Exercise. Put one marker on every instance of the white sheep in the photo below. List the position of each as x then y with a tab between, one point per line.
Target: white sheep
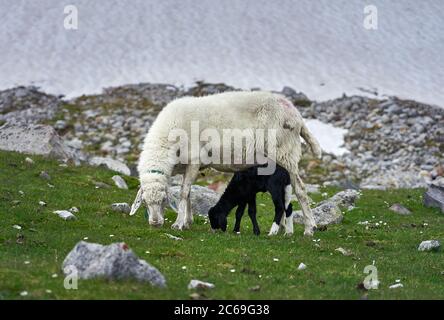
248	111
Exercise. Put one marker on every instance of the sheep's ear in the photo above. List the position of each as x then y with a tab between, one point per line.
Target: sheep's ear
137	202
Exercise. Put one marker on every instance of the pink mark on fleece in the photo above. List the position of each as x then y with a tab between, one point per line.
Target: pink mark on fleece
285	103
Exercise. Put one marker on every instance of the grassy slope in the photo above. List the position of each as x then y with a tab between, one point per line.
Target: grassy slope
207	256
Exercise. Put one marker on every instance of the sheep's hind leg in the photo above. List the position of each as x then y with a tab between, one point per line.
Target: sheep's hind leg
301	194
185	216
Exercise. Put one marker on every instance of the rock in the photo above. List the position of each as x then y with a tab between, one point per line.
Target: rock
42	203
29	161
111	164
173	237
121	207
396	286
64	214
346	198
33	139
343	251
429	245
74	210
434	197
119	182
400	209
202	199
60	125
197	284
44	175
324	214
302	266
115	261
329	211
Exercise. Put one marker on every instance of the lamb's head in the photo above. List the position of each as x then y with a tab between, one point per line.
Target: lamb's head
218	218
154	188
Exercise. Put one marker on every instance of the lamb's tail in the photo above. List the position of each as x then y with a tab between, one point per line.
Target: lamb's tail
311	141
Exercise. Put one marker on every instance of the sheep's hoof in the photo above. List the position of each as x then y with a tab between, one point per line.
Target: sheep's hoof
178	226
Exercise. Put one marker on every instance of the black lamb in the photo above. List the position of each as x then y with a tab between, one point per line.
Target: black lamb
242	190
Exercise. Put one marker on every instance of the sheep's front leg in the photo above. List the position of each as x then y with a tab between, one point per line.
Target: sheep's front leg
185	216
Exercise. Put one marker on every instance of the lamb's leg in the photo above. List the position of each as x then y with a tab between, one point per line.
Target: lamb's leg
278	201
301	194
185	216
239	213
252	214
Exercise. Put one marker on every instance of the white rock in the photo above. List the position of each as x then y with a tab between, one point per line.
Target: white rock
395	286
343	251
173	237
29	160
302	266
65	214
24	293
33	139
111	164
119	182
197	284
429	245
16	226
42	203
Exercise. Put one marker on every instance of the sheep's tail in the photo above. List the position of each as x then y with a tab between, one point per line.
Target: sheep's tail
311	141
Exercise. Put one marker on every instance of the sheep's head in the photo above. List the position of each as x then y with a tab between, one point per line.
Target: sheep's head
154	195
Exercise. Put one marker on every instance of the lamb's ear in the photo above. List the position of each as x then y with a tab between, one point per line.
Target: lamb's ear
137	202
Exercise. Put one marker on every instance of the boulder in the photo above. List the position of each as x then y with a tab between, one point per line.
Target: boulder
429	245
111	164
202	199
324	214
115	261
33	139
400	209
434	197
119	182
330	211
121	207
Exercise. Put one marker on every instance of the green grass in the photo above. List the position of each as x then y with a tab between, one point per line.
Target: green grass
45	239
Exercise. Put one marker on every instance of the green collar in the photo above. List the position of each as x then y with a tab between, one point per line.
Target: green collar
156	171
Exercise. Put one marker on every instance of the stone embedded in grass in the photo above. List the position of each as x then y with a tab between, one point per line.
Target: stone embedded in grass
400	209
302	266
44	175
42	203
16	226
65	214
121	207
344	251
429	245
396	286
115	261
119	182
197	284
173	237
29	161
434	197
